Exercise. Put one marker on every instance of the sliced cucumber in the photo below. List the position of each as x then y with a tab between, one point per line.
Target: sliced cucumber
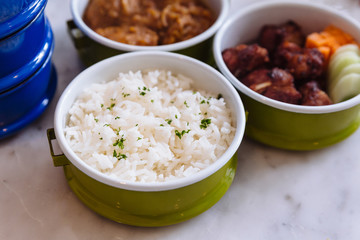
340	62
347	48
346	88
352	68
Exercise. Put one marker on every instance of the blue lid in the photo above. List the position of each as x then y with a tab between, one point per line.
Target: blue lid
24	72
15	14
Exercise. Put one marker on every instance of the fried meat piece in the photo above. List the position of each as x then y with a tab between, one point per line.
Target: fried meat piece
271	36
304	64
276	84
243	59
312	95
258	80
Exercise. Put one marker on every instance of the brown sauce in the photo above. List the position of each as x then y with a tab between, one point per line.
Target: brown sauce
148	22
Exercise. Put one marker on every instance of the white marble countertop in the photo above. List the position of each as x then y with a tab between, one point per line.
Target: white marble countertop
276	194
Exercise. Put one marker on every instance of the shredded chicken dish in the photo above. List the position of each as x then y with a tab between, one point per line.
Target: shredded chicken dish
148	22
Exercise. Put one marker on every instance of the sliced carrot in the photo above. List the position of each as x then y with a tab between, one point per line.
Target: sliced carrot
341	36
329	40
315	40
326	51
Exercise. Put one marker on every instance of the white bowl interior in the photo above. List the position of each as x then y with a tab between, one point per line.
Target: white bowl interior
245	25
204	77
219	7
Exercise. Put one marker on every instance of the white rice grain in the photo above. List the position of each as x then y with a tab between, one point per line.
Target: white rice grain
149	126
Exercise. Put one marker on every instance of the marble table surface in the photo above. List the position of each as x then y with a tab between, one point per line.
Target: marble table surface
276	194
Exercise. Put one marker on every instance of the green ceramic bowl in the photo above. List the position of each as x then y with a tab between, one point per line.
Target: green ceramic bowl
276	123
93	47
148	204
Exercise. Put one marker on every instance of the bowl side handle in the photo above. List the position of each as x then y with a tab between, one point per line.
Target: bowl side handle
59	160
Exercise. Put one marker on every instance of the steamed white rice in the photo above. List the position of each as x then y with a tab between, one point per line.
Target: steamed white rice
149	126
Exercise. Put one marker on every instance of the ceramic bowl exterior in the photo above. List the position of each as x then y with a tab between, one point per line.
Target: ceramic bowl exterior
16	14
149	208
276	123
35	60
22	103
22	38
93	47
149	204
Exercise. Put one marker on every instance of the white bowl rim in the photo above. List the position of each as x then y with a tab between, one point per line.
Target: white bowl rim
169	47
265	100
158	186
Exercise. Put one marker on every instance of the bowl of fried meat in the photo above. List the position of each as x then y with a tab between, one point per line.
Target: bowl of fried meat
296	67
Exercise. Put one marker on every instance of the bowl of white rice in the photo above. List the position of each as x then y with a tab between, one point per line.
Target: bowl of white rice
148	138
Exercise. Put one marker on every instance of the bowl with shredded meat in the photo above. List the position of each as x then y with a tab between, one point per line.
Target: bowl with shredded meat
295	66
148	138
103	28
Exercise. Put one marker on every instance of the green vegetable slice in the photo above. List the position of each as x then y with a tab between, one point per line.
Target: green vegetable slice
342	60
346	48
346	88
352	68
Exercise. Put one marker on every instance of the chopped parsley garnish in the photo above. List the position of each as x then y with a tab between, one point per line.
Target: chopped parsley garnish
180	134
119	143
116	118
161	125
176	116
125	94
186	104
111	106
168	121
106	125
142	91
119	156
202	102
205	123
117	131
139	138
96	120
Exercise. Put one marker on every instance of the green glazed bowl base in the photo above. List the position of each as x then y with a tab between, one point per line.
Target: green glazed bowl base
278	141
150	209
298	131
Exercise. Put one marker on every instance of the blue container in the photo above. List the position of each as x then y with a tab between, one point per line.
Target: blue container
31	65
23	103
21	36
16	14
27	77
